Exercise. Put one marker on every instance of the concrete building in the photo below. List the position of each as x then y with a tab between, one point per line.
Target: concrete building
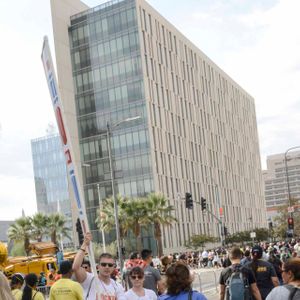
276	183
50	178
198	130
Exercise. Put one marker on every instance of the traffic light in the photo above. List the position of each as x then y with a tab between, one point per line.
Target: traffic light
79	231
189	201
203	204
225	231
290	223
270	225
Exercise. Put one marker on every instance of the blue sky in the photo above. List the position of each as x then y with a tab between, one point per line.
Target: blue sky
257	43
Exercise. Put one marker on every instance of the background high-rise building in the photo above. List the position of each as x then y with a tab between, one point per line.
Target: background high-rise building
197	131
275	179
50	178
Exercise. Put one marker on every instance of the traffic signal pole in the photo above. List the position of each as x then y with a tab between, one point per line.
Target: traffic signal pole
220	222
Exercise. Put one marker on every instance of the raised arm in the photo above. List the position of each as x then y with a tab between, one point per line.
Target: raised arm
80	272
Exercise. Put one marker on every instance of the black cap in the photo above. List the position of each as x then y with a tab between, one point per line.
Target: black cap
65	267
257	251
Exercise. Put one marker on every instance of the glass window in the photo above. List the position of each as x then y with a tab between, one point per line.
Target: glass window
104	26
129	141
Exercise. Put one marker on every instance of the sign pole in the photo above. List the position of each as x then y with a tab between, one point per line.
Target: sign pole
66	142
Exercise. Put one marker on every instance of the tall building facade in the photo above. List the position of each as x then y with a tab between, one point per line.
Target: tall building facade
278	177
197	132
50	178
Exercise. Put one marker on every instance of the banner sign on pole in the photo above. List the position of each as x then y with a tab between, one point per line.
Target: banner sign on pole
65	138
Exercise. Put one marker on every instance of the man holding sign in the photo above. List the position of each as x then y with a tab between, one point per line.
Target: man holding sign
109	289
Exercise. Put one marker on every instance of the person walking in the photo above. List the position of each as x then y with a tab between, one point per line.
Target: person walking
65	288
152	276
109	289
291	278
179	284
16	284
29	291
264	272
246	275
5	292
138	292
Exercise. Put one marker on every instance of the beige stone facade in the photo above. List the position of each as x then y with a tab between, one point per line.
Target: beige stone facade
202	127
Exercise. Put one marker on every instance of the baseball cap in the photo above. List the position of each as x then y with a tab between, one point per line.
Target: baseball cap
65	267
257	251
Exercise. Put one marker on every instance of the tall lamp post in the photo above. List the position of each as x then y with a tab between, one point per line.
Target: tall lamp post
108	136
100	211
287	175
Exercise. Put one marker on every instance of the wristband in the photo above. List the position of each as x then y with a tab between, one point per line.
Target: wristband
82	249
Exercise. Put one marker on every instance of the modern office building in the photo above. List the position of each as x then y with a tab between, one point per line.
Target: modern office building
278	177
50	177
197	132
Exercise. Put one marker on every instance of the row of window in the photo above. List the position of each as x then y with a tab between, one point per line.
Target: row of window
124	168
105	52
102	27
110	98
91	125
121	144
108	75
138	187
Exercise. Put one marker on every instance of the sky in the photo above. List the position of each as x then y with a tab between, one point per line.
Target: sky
256	42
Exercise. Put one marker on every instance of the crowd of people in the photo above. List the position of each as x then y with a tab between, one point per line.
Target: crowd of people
268	271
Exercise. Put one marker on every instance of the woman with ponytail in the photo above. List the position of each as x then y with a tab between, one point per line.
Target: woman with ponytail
30	292
16	283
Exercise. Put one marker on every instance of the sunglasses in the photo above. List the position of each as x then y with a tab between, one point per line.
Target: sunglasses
106	264
136	277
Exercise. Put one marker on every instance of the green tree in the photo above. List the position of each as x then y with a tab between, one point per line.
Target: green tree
159	213
199	240
280	223
20	231
135	212
57	227
39	226
18	249
106	218
262	234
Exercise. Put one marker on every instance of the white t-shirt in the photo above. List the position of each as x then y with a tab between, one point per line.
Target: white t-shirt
112	291
149	295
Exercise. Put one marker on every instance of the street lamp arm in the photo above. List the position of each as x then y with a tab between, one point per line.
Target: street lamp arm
287	175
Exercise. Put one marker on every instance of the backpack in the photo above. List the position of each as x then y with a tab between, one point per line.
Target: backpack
237	285
294	292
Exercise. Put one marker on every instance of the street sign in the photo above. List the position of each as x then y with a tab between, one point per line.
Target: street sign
291	209
253	235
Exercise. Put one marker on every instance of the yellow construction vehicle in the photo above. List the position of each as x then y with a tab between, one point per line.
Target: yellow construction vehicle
42	260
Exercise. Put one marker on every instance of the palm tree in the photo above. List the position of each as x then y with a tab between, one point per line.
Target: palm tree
20	231
57	227
136	213
106	218
158	213
39	226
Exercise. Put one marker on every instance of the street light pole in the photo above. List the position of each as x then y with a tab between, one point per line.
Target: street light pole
100	210
287	175
108	136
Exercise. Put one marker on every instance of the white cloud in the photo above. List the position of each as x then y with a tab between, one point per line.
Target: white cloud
16	194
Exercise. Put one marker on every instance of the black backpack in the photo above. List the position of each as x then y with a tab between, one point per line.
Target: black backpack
294	292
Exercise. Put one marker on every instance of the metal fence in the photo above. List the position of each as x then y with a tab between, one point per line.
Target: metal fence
207	281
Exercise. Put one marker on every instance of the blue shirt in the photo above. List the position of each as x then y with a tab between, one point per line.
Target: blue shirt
183	296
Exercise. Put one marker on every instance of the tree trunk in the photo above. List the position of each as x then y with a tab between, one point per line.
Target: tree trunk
137	233
53	237
158	237
26	245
